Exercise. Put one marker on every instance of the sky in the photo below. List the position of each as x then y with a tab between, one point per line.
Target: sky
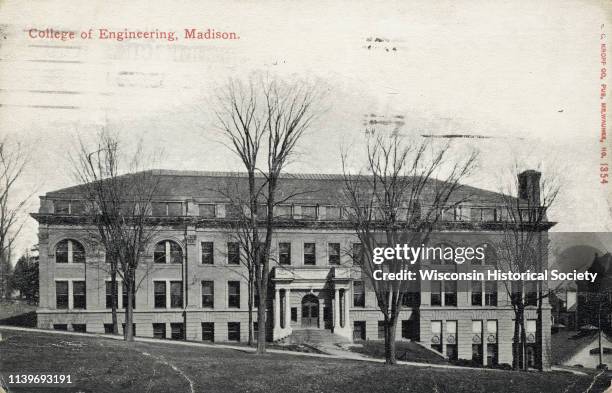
522	75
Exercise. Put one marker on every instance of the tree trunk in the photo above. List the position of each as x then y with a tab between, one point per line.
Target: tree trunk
250	305
515	342
114	301
129	334
390	324
261	319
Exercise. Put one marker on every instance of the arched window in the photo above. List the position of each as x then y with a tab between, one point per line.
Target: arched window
69	251
168	251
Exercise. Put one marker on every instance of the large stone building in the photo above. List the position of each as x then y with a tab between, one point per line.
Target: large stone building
193	284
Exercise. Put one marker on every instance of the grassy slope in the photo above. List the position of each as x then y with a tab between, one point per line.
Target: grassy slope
104	365
405	350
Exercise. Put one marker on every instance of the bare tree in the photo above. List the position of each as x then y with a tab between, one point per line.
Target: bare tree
396	199
13	161
119	207
264	119
523	247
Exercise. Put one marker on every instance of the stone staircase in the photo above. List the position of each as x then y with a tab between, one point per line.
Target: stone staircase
314	337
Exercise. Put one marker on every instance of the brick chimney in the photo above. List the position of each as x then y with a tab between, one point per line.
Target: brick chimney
529	186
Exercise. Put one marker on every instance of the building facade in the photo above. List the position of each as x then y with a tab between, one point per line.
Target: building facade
192	284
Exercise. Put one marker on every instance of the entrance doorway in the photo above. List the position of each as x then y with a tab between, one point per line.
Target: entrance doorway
310	311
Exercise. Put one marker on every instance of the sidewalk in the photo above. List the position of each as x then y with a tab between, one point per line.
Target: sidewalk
332	352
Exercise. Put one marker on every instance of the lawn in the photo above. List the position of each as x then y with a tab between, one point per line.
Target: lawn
105	365
17	313
404	350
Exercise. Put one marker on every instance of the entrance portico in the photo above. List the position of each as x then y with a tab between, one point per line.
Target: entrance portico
311	298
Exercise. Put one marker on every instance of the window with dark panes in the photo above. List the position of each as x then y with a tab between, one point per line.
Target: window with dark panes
159	209
333	250
207	210
310	257
79	295
233	331
159	294
531	293
108	328
61	207
284	253
159	254
177	331
491	293
233	253
124	295
450	293
476	293
61	294
69	251
159	330
109	294
176	294
233	294
411	299
168	251
79	327
357	253
309	212
208	331
207	253
436	293
358	294
208	294
381	330
60	326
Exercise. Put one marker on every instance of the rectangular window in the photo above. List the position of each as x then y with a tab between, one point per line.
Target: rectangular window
451	340
333	252
531	293
476	293
310	257
108	328
208	294
124	295
79	295
411	299
359	330
60	326
450	293
61	207
176	294
262	212
294	314
358	254
159	330
233	253
177	331
207	253
309	212
61	252
358	294
207	210
233	331
491	293
410	329
333	213
159	253
159	289
79	327
233	294
109	294
381	330
208	331
436	293
284	253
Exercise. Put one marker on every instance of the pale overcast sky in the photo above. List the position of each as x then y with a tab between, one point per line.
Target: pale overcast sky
523	73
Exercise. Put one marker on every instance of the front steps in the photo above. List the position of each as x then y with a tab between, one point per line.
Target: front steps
314	337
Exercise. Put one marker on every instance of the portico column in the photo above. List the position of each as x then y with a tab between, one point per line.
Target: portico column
277	310
336	309
287	308
347	303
